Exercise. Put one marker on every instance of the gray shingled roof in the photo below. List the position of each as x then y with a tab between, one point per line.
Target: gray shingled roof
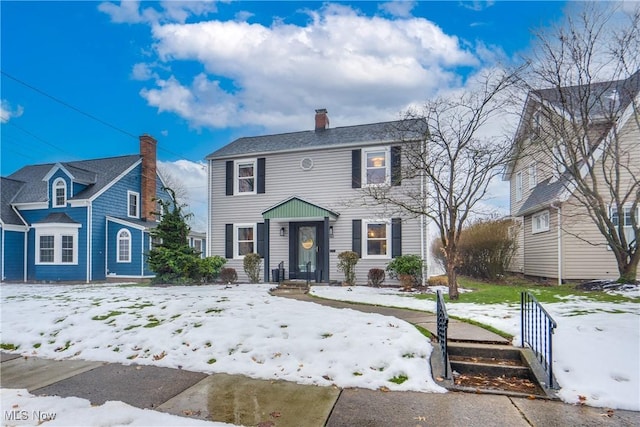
97	173
603	97
57	218
543	195
8	190
373	133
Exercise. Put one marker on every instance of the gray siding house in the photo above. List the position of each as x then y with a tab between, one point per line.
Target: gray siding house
557	238
298	198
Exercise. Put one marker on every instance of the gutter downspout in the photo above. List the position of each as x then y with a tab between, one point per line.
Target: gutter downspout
89	237
26	255
559	211
424	224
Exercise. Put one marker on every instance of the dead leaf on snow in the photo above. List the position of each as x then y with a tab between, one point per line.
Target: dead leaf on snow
159	356
275	414
384	388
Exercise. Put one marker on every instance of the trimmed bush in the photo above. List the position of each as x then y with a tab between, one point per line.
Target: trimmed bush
209	268
376	277
228	275
251	264
347	261
407	269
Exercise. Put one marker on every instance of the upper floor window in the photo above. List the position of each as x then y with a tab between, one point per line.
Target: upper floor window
540	222
376	166
124	246
159	211
377	242
133	205
536	123
559	154
245	181
533	175
59	193
518	186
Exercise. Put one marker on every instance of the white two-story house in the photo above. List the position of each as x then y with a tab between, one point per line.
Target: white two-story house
297	198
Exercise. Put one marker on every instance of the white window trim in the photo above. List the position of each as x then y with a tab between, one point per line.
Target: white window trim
54	189
518	186
365	239
533	175
236	176
627	228
236	254
57	230
387	163
129	194
535	229
118	238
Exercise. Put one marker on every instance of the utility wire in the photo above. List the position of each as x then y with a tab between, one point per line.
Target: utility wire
84	113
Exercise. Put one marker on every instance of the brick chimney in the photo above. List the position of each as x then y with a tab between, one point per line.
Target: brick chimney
148	152
322	120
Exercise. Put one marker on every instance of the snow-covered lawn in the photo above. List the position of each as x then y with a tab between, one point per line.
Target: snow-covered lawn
237	330
596	345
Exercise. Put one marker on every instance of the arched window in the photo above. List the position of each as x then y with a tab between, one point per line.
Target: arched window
124	246
59	193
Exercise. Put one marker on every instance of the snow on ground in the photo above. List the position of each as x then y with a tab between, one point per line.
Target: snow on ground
236	330
596	347
20	408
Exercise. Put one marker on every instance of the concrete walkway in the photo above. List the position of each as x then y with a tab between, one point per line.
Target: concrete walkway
457	331
245	401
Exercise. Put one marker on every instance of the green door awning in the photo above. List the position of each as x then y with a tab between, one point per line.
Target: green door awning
294	208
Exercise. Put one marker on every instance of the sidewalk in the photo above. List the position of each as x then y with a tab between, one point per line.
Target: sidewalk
240	400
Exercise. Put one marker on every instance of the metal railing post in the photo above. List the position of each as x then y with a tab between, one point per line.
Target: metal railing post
442	326
536	329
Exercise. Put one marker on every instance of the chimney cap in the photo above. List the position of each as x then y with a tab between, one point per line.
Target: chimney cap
321	111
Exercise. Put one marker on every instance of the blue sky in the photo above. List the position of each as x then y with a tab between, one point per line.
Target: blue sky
198	74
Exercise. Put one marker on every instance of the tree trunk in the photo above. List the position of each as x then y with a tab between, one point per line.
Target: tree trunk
452	280
628	270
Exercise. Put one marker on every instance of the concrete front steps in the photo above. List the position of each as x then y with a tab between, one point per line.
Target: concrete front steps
496	369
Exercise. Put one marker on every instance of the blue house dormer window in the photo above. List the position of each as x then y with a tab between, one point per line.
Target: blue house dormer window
133	207
59	193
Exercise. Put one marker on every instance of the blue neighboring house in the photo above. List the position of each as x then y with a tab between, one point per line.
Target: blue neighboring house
80	221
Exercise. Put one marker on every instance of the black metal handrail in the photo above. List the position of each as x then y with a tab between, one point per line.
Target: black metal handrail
536	330
308	268
443	324
281	272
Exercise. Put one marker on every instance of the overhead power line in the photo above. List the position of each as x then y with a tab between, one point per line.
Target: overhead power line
84	113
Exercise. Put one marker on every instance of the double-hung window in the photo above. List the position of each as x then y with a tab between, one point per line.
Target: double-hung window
533	175
627	221
518	186
133	205
377	241
47	249
376	164
540	222
60	193
245	240
245	171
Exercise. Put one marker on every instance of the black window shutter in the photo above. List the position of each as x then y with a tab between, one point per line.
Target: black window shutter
260	232
228	241
396	237
261	175
356	169
357	237
229	178
396	165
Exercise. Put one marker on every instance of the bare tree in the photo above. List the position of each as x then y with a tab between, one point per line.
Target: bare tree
590	71
446	172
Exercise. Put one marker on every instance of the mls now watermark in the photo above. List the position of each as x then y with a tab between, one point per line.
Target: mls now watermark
29	416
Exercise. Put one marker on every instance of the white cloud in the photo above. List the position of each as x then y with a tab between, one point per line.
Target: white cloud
361	68
143	71
129	11
7	112
477	5
189	181
399	8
